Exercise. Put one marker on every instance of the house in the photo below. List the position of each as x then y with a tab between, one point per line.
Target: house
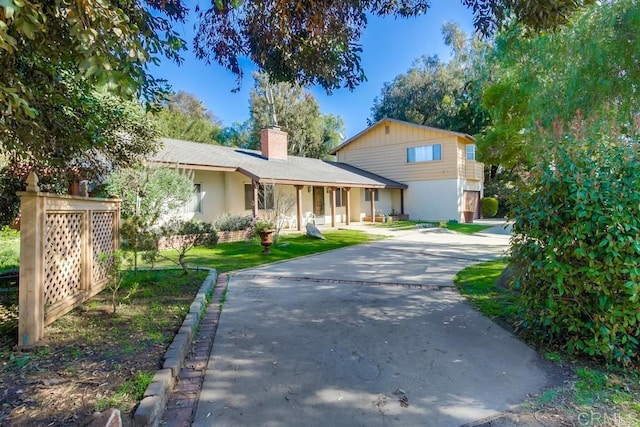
439	167
240	181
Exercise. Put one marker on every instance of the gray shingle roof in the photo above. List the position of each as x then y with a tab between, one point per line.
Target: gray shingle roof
294	170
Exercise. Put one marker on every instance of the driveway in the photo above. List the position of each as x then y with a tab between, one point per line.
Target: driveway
367	335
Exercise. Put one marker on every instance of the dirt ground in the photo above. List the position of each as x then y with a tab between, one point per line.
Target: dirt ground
90	359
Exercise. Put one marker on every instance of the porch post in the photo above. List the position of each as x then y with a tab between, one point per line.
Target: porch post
256	186
333	207
299	206
402	201
348	205
371	202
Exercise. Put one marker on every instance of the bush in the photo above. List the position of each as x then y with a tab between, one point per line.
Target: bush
489	207
577	247
233	222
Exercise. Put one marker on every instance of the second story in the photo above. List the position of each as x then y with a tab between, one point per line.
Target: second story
407	152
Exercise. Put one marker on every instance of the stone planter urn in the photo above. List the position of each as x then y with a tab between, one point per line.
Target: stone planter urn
266	240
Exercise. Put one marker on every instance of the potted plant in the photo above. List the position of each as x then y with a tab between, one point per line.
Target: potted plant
264	229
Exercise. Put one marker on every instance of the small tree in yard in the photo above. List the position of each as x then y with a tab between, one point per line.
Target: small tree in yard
182	236
117	264
148	193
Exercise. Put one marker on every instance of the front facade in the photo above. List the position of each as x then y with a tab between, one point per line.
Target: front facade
269	183
439	168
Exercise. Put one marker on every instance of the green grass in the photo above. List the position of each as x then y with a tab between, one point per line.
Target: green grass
605	391
477	284
238	255
9	249
412	224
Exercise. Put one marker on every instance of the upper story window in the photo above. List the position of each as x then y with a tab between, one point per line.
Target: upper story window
471	151
425	153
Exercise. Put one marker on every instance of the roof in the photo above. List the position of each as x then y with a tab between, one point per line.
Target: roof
295	170
388	120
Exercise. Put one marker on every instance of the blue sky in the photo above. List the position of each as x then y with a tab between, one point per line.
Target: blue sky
389	48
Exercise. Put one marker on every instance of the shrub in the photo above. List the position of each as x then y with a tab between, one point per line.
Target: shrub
576	241
489	207
233	222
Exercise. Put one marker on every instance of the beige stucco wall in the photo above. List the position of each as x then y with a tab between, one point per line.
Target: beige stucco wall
223	192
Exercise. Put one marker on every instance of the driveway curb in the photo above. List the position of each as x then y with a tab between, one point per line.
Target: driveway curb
152	407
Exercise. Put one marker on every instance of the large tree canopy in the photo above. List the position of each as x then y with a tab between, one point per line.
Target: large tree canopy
184	116
589	68
317	42
435	93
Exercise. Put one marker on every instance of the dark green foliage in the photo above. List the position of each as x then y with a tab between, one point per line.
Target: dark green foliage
577	239
489	207
504	187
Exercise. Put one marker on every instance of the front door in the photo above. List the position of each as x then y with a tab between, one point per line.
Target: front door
318	204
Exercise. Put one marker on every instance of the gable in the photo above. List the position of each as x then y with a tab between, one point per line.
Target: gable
382	149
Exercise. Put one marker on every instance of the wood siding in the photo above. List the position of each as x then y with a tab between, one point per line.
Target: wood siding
386	153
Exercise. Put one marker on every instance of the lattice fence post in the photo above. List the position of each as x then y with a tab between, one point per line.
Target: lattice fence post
31	290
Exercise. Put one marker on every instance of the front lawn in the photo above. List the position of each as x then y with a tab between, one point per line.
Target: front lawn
238	255
9	249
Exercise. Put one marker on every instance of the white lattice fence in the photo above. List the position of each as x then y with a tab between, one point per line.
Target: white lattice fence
62	238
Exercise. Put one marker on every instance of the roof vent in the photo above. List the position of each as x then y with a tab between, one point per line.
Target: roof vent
273	143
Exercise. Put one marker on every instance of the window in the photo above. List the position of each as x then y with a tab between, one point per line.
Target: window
265	196
425	153
195	204
367	195
471	151
341	197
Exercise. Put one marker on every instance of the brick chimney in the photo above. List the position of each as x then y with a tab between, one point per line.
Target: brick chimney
273	143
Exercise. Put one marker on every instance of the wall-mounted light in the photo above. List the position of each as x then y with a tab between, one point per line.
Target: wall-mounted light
308	189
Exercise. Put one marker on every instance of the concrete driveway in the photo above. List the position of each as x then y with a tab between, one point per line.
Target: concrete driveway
368	335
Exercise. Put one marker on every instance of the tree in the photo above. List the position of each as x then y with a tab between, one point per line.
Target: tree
237	135
148	194
184	116
492	15
438	94
100	42
310	134
317	42
71	76
539	81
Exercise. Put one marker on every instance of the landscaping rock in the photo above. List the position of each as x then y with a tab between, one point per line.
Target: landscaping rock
312	231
